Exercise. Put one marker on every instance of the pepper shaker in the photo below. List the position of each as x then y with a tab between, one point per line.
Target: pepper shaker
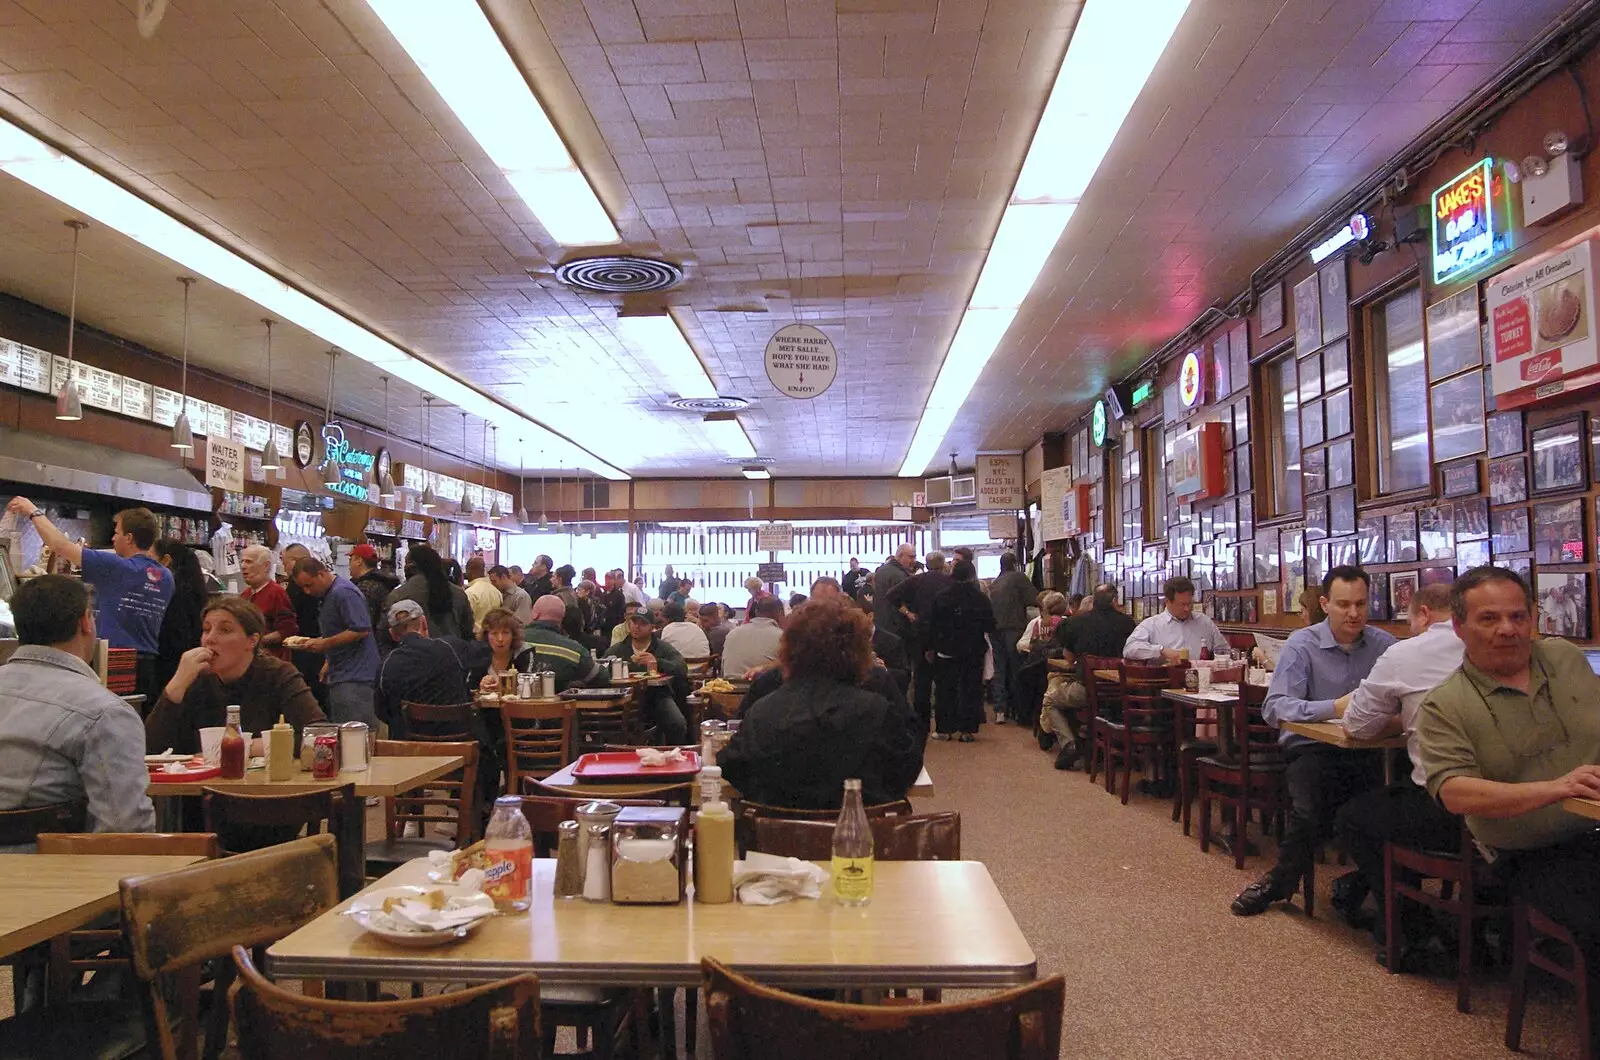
569	866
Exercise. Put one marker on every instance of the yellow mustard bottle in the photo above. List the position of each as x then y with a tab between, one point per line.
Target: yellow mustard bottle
713	842
280	750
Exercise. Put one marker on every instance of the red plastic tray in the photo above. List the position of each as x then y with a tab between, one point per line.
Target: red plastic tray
624	765
183	778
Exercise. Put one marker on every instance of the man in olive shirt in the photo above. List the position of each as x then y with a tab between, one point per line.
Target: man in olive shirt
1505	739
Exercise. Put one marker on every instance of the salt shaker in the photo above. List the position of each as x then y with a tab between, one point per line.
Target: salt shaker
597	869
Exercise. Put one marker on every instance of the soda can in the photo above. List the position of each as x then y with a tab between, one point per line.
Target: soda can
325	757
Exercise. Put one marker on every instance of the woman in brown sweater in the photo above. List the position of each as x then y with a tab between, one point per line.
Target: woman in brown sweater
227	668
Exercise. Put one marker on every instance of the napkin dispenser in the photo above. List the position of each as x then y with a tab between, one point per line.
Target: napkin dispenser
649	855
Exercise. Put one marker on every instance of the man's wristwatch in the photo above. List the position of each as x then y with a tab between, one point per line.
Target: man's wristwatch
37	513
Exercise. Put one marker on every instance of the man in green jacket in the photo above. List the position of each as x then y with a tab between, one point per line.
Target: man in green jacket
548	648
643	647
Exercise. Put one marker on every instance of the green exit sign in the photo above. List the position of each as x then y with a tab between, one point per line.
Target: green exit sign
1143	392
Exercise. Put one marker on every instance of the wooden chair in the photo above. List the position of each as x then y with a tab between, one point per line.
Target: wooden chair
496	1021
175	921
1530	931
439	723
913	837
250	822
619	722
1103	702
1146	728
1252	779
1455	869
451	799
726	704
658	794
1191	748
754	1022
21	827
750	812
538	739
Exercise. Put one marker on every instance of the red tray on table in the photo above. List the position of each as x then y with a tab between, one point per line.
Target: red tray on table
625	765
209	773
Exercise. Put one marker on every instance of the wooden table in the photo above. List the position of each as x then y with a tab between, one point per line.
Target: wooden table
564	778
1334	734
1582	807
385	776
930	923
47	894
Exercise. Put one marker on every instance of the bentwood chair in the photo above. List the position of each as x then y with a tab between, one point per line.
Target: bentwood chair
754	1022
495	1021
174	922
250	822
22	828
439	722
751	812
450	800
1532	931
1251	778
911	837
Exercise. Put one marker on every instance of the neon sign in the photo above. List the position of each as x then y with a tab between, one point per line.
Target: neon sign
1097	423
1466	225
352	465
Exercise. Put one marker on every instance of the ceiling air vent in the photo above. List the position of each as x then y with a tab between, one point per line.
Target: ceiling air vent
619	275
710	404
739	461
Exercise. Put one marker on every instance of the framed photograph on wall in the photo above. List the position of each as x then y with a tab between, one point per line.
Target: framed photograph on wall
1342	464
1268	571
1307	315
1401	530
1459	479
1458	423
1311	423
1471	554
1436	533
1272	307
1472	520
1522	565
1558	532
1436	576
1335	298
1336	413
1453	336
1335	366
1241	422
1241	469
1563	604
1370	532
1247	565
1342	552
1313	471
1508	480
1316	517
1342	512
1247	517
1509	531
1239	356
1378	598
1402	588
1310	378
1505	433
1558	454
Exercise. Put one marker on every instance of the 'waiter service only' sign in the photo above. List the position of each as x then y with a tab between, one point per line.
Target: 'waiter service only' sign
224	464
999	481
801	361
1541	327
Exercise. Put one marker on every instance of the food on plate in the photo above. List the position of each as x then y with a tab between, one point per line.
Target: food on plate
296	642
1560	309
434	899
717	684
473	857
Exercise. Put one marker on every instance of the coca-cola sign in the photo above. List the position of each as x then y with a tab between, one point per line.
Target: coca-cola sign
1541	327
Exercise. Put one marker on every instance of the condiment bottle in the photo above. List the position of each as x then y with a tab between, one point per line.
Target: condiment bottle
232	749
569	870
852	850
280	751
713	842
508	844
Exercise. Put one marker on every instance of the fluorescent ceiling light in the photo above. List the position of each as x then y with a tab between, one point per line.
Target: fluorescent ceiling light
729	438
660	342
1113	50
757	473
458	51
34	162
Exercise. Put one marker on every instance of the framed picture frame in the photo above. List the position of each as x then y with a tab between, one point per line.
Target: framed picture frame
1508	480
1247	564
1311	432
1307	315
1239	356
1402	590
1470	554
1563	598
1241	469
1313	471
1558	456
1472	520
1457	414
1369	533
1272	308
1460	479
1316	517
1342	512
1509	531
1336	414
1241	422
1436	533
1268	569
1316	563
1557	531
1250	613
1342	552
1310	378
1247	516
1454	343
1335	367
1522	565
1335	307
1401	530
1342	464
1378	597
1505	433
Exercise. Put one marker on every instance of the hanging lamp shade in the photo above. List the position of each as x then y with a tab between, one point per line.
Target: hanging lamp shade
466	508
522	489
429	499
495	511
182	436
69	403
269	455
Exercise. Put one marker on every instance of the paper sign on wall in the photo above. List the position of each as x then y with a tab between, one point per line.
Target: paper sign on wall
999	483
224	464
774	537
801	361
1054	485
1541	328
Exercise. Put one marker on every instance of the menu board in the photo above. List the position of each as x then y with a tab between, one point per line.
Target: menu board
257	433
219	420
239	428
282	440
9	356
164	406
1053	487
33	369
97	387
138	399
199	413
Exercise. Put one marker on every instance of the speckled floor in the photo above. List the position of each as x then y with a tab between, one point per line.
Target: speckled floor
1117	899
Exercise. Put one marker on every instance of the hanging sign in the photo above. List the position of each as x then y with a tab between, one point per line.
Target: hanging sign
1469	222
999	482
1053	487
349	464
771	573
1097	424
1002	527
305	447
801	361
1541	328
225	464
775	537
1191	380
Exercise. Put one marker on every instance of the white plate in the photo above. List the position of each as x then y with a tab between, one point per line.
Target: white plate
161	760
367	910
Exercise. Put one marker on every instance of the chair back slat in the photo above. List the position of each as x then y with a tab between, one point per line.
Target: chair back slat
754	1022
450	799
439	722
21	827
912	837
1104	698
496	1021
143	844
538	738
618	721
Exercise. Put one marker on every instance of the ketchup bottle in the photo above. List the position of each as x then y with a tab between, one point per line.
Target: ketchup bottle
232	749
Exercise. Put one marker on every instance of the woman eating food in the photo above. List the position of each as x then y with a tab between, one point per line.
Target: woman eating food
502	634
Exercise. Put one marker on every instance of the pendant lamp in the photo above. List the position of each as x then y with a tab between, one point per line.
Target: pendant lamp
466	510
269	455
182	436
429	499
69	403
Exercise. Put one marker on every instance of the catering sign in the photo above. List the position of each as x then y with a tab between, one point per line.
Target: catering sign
774	537
1541	328
999	485
347	466
1469	222
224	464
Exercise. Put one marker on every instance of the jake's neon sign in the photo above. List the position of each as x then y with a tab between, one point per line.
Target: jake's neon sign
1468	228
351	464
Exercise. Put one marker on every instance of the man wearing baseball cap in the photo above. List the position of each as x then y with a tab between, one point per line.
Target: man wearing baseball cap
419	668
374	582
645	651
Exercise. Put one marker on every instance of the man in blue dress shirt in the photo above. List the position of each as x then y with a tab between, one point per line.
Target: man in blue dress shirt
1318	665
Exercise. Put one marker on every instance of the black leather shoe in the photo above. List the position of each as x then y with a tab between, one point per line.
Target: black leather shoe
1349	894
1067	757
1259	896
1047	740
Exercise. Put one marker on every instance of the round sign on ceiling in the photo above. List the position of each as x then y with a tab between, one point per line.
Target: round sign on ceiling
1097	423
801	361
1190	379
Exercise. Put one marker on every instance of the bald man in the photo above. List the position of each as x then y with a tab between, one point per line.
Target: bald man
548	648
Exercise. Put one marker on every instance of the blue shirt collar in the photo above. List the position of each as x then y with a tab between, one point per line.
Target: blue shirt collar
1325	638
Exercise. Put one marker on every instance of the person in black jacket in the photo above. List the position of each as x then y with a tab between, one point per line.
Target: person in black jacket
180	624
958	626
913	600
796	746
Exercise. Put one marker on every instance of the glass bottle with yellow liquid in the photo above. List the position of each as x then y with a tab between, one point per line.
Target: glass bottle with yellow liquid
852	850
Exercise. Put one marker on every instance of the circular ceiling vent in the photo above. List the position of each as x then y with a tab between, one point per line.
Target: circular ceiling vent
619	275
736	461
710	404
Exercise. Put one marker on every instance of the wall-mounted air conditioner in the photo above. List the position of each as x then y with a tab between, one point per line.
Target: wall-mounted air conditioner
938	490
